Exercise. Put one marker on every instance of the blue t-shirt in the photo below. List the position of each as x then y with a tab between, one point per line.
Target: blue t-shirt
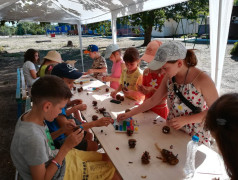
54	126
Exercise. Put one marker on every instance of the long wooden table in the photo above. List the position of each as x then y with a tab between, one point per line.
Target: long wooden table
128	161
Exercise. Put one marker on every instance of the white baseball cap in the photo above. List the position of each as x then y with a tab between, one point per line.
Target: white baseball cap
110	49
169	51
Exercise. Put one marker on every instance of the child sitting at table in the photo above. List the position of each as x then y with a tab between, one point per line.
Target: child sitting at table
99	66
32	151
113	52
152	79
222	121
52	58
69	74
131	77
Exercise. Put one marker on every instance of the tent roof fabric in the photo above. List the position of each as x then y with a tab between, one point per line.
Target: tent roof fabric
73	11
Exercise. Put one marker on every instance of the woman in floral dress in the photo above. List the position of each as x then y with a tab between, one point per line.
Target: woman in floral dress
195	85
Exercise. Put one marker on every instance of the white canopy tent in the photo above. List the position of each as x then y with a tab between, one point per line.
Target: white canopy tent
90	11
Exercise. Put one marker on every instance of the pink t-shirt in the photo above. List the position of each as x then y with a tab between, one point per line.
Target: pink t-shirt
116	73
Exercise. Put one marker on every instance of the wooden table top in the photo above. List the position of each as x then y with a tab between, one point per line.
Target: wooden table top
128	161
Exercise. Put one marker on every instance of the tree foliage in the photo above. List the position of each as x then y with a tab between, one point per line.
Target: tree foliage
29	28
234	50
187	10
235	2
23	28
147	20
156	18
103	28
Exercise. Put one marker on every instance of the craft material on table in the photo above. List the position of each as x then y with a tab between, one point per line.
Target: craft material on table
123	126
82	81
93	89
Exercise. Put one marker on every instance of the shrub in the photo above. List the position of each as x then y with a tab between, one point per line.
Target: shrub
1	49
234	50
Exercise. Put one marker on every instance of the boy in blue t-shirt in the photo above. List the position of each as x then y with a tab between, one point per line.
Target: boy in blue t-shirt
69	74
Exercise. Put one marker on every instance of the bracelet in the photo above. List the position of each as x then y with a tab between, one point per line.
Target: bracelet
57	164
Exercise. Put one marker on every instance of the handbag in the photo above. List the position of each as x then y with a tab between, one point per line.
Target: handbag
194	109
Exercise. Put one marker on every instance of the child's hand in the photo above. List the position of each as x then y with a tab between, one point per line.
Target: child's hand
106	78
142	89
177	122
90	71
69	126
77	101
74	139
105	121
128	92
145	90
113	94
81	107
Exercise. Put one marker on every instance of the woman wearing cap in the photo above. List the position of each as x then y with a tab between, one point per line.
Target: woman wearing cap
31	57
52	58
152	79
181	75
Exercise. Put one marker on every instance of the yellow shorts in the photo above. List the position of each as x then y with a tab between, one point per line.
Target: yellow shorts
87	165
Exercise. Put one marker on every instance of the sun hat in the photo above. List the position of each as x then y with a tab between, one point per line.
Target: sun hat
150	51
169	51
54	56
65	70
91	48
110	49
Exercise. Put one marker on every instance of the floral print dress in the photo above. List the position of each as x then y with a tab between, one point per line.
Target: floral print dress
178	108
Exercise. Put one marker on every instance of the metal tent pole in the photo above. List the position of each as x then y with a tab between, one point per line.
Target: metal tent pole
80	43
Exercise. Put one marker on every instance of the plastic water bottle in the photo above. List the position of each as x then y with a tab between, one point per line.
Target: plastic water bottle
189	168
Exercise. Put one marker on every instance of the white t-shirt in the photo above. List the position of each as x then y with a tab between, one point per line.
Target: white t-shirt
27	66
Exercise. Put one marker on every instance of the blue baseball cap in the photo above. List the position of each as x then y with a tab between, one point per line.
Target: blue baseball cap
65	70
91	48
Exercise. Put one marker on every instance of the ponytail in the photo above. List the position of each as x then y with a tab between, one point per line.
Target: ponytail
190	59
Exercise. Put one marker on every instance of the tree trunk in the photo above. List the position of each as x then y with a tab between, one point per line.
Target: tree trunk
147	36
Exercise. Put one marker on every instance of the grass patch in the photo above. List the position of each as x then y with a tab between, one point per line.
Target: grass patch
234	50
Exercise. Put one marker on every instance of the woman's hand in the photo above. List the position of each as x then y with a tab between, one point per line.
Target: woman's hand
105	121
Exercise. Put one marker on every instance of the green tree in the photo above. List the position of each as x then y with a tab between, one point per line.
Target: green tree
7	30
156	18
103	28
31	28
235	2
147	20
